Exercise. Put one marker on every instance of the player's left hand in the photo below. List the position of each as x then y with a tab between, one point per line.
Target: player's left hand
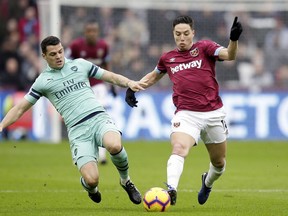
130	98
236	30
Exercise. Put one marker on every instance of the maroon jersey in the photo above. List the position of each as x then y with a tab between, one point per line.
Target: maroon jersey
98	54
192	73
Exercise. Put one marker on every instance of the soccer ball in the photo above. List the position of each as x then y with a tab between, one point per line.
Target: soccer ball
156	199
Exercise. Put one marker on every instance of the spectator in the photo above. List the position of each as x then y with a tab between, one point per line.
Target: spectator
11	76
78	20
281	76
31	65
133	30
18	8
208	22
8	49
107	23
161	18
276	46
4	16
29	28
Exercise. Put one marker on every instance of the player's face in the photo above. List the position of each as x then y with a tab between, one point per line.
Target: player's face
183	36
54	56
91	33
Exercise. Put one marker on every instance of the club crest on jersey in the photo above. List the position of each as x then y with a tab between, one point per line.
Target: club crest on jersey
194	52
74	68
176	124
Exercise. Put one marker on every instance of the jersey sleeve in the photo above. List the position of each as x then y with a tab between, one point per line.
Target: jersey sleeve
213	48
35	92
93	70
161	68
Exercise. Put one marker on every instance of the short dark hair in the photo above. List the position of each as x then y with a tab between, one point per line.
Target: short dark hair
183	19
50	40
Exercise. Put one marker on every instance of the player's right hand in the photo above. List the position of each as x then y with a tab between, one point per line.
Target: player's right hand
130	98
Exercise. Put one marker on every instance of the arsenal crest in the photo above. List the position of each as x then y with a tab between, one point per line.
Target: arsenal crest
194	52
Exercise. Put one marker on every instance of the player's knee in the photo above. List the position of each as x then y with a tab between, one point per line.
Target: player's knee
91	180
219	164
89	172
114	148
180	149
112	142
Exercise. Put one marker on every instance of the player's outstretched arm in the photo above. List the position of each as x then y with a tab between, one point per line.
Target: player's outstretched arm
122	81
230	52
150	79
15	113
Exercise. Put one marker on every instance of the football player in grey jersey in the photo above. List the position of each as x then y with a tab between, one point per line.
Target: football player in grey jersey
66	84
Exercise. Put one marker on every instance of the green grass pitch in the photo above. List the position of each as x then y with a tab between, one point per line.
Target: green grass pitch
40	179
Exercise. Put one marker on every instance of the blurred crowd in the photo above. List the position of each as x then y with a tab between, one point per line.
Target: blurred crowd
19	42
138	37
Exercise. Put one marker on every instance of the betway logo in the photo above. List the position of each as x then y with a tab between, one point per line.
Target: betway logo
180	67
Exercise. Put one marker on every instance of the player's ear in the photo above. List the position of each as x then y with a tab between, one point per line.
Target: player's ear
193	32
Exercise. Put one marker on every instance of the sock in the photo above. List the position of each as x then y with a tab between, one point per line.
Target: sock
175	166
87	187
213	174
102	154
120	160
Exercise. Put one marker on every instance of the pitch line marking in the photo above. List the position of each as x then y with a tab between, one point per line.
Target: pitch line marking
244	190
181	190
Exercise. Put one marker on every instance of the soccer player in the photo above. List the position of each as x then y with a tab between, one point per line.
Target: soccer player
96	50
65	83
199	109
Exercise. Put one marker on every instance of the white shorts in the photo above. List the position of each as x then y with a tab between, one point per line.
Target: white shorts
209	126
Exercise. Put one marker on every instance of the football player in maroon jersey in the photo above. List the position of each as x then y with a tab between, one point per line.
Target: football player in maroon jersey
199	108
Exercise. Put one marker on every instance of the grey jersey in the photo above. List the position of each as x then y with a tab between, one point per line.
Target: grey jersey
68	89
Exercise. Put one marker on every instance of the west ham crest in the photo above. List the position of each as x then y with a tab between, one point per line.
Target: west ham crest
176	124
194	52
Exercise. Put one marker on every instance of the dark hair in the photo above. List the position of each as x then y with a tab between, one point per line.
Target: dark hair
50	40
183	19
